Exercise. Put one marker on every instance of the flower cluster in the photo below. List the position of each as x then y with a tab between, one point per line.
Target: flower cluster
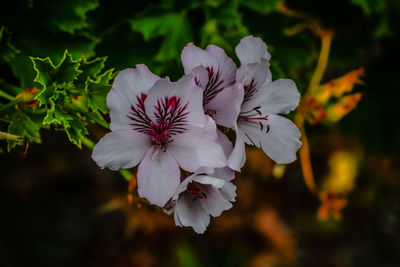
170	128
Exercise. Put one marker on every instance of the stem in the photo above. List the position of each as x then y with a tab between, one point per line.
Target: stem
8	136
11	103
6	96
319	71
322	62
89	115
88	143
96	119
305	162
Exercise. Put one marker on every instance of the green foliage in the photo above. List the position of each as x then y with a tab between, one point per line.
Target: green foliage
97	91
175	29
63	89
56	81
68	95
70	15
22	125
72	87
382	12
261	6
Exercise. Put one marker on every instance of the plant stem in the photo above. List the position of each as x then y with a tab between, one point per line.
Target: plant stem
88	115
319	71
8	136
322	61
6	96
11	103
96	119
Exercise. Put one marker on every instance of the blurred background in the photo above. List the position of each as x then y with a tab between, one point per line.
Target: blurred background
58	208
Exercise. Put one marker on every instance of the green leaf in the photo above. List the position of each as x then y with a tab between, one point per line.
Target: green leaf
261	6
89	69
74	127
55	80
76	131
97	91
223	25
69	15
371	6
23	126
7	49
173	27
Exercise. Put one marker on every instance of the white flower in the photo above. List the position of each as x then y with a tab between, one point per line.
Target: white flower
262	99
198	197
161	126
215	72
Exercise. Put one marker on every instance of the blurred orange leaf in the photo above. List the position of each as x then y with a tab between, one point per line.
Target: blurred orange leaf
338	87
345	104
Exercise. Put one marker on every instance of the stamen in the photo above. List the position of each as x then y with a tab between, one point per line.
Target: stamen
196	191
255	116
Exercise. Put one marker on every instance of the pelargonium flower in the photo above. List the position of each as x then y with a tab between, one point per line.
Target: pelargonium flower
215	72
161	126
198	197
258	123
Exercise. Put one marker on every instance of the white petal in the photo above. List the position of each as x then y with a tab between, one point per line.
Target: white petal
127	86
177	220
192	152
254	76
225	173
214	204
257	71
158	177
238	156
278	97
251	50
193	56
224	108
214	56
121	149
186	90
208	180
210	129
228	191
225	64
191	213
280	143
183	185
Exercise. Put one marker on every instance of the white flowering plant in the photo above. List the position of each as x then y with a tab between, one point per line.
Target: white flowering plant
186	137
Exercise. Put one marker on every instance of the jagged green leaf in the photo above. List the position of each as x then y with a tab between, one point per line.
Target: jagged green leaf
76	131
23	126
97	91
173	27
57	80
89	69
74	127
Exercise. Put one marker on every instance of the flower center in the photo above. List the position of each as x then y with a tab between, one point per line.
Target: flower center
213	86
196	190
170	119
